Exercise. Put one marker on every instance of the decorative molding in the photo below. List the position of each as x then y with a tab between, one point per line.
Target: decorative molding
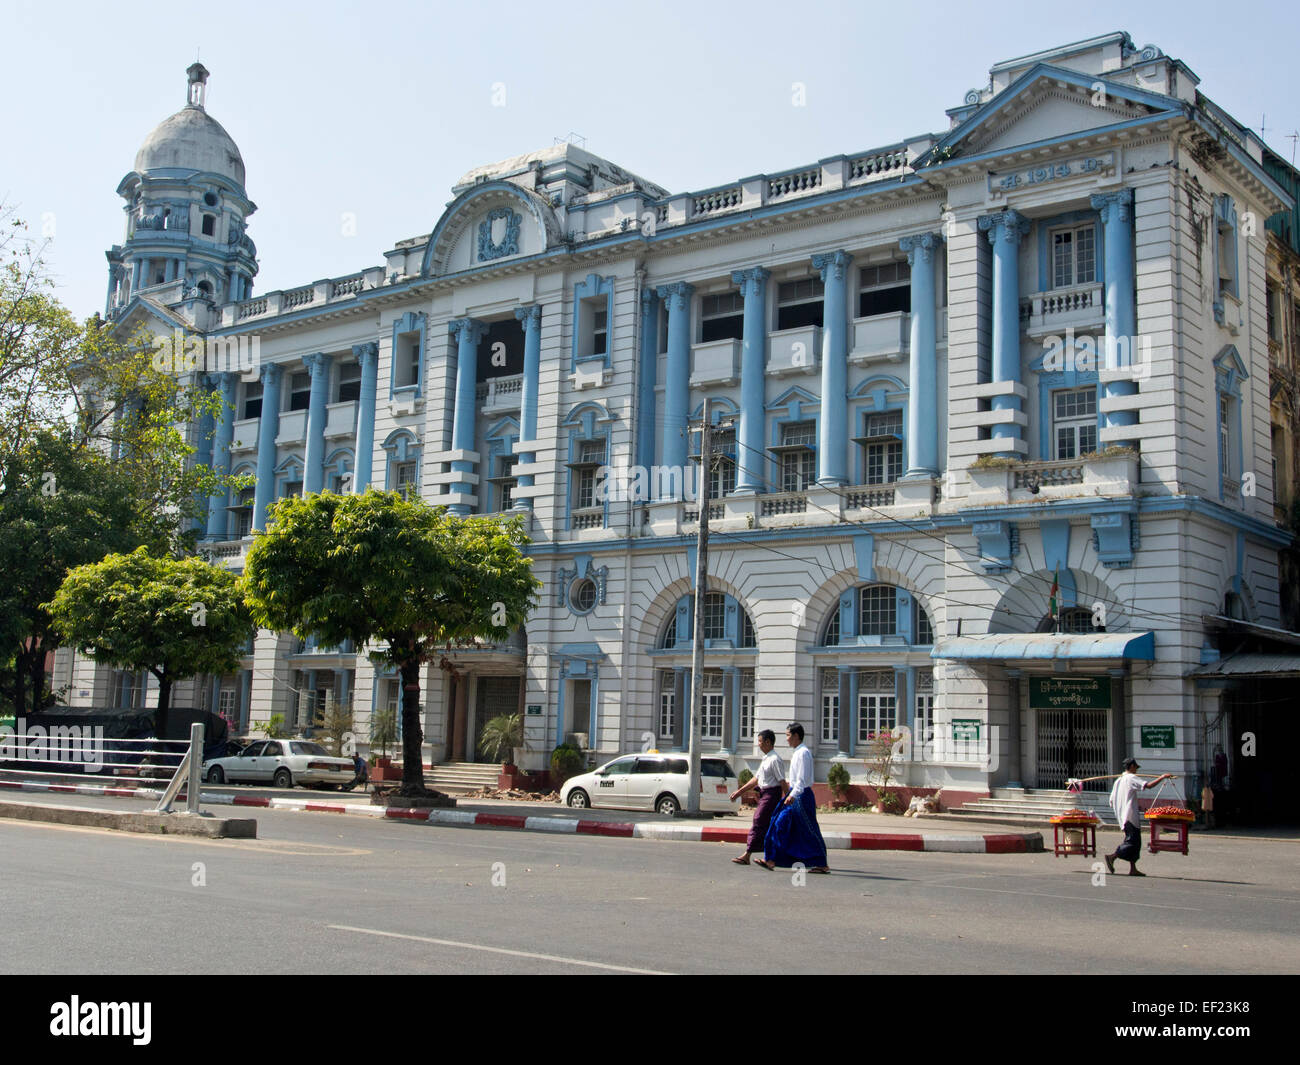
487	248
924	243
832	264
1006	225
366	353
999	543
679	292
467	330
751	281
317	362
530	316
1114	206
271	373
1114	538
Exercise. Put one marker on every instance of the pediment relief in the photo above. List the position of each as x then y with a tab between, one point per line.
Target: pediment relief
489	224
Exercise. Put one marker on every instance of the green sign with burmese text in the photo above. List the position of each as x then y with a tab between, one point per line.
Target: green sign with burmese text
1069	693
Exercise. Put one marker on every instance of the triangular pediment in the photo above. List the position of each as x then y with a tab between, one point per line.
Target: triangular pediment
1049	103
142	314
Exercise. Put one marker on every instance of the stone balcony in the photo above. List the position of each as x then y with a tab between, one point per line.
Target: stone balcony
244	436
230	554
1110	476
794	351
880	338
715	362
329	291
500	394
1080	308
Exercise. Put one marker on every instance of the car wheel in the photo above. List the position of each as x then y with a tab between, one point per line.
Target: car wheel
283	778
667	804
579	799
216	776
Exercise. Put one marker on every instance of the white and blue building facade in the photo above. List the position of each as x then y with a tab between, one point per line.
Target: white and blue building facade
948	374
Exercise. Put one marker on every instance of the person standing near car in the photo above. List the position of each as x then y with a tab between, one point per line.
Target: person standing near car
793	835
767	780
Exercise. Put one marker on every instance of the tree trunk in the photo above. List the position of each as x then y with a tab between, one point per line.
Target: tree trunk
412	734
164	705
38	677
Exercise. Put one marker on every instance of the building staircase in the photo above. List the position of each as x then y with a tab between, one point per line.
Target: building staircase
457	778
1034	806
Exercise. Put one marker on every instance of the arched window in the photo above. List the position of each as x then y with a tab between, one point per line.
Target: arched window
726	624
1075	621
877	614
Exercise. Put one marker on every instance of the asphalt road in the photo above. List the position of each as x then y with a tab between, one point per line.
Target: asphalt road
336	894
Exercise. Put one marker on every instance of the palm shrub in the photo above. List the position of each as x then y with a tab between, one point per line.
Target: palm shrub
501	736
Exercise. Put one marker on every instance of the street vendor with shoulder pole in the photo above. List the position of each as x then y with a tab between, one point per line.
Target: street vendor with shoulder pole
1124	802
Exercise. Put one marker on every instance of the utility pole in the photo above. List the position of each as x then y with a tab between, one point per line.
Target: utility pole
701	589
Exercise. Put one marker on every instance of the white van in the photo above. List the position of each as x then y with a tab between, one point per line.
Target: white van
653	781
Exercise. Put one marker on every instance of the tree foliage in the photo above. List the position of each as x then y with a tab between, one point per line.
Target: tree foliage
406	578
175	618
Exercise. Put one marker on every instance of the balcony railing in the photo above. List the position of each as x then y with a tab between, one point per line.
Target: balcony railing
1081	306
870	495
1040	474
784	503
691	515
501	393
589	518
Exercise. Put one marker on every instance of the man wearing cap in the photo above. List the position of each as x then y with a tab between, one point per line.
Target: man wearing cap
1124	801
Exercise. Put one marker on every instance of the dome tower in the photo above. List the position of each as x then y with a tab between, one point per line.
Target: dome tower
186	211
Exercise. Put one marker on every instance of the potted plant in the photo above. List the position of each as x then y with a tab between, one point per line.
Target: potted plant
383	734
880	762
749	798
838	780
500	737
566	761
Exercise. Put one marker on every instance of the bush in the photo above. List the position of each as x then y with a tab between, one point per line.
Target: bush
838	778
566	761
745	777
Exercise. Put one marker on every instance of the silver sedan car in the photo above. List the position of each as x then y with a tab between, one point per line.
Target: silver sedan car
283	763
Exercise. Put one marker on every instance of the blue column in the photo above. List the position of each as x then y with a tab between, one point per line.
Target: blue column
468	332
1121	299
677	391
833	431
923	361
649	367
532	319
218	515
268	429
368	356
1005	230
314	475
751	458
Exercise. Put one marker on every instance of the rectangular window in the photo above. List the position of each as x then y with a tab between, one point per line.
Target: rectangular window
923	630
349	382
667	694
830	717
1074	422
508	482
878	615
404	479
406	360
747	704
883	443
722	477
1226	247
593	326
799	303
715	616
884	289
299	391
722	317
244	513
711	720
253	399
591	456
747	638
292	488
798	466
1074	256
1225	434
877	704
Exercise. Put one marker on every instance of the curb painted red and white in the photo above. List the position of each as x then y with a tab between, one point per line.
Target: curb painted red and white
1000	843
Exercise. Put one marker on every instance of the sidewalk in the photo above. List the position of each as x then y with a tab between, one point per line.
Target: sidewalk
842	831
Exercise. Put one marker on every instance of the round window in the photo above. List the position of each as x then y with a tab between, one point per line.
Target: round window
210	198
583	596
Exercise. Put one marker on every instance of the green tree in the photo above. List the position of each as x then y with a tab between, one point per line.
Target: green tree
94	457
398	574
175	618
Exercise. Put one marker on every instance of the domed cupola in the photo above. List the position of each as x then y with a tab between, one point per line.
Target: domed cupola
186	210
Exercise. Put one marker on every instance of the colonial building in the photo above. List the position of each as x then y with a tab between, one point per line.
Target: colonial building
958	379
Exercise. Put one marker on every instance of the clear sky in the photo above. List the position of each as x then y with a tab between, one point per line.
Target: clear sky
376	109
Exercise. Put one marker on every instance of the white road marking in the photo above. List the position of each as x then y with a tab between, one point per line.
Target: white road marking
1071	898
499	950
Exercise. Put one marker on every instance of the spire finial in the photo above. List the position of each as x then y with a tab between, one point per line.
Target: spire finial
197	85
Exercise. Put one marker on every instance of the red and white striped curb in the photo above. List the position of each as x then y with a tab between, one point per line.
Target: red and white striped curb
1016	843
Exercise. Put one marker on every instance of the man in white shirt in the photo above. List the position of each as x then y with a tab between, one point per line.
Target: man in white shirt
1124	803
794	835
767	781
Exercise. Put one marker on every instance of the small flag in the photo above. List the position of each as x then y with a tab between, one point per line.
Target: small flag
1052	605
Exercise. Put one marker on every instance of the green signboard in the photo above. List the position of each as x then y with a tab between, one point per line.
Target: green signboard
1069	693
1156	737
534	709
966	730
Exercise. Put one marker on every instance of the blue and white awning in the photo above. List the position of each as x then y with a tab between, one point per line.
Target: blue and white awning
1039	646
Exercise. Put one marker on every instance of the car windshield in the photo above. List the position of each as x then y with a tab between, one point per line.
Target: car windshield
298	747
